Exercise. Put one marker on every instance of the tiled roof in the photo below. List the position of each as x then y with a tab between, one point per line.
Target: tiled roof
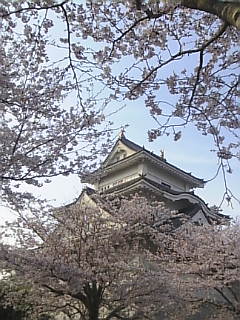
131	144
142	178
190	210
138	148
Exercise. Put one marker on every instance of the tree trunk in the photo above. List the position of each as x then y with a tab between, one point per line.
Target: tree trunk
93	299
227	11
93	314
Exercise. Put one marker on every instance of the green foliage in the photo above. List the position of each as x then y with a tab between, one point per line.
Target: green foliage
16	301
10	310
10	313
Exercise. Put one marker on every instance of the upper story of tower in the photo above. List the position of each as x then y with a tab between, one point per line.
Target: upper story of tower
128	162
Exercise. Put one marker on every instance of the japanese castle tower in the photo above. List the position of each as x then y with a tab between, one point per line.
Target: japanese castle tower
130	168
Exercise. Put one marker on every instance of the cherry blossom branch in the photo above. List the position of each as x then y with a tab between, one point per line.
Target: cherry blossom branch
181	54
70	57
44	7
149	15
18	137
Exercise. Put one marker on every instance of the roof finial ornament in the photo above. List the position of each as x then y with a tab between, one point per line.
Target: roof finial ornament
162	154
121	133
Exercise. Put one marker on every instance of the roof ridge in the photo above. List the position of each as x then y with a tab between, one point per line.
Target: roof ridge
130	143
137	148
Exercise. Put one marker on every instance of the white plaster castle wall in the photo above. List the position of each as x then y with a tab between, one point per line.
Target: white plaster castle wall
160	175
119	177
147	169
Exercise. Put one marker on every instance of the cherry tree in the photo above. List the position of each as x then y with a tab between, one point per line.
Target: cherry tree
118	258
207	269
50	118
95	261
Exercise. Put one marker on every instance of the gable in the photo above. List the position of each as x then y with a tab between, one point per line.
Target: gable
85	199
119	152
200	218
